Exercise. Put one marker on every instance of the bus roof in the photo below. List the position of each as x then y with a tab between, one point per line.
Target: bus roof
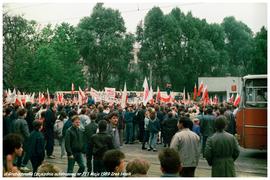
260	76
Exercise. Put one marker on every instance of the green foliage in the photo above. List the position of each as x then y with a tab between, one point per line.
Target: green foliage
104	47
176	48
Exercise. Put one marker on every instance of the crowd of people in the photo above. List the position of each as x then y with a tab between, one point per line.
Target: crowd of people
100	130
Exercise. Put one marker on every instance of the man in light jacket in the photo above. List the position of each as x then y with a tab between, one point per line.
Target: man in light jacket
187	144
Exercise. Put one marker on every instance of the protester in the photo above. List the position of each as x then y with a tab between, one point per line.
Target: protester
58	131
113	129
154	128
121	125
146	132
12	148
50	119
207	126
99	144
129	115
20	127
90	130
48	170
187	144
138	167
169	128
36	146
84	118
170	164
114	162
222	150
74	143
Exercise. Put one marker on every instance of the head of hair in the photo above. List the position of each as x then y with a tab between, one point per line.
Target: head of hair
37	124
8	110
42	114
63	115
74	118
222	110
186	122
21	112
44	106
115	113
93	116
100	108
138	166
51	104
102	125
72	113
83	111
209	110
169	160
11	142
28	105
220	123
112	159
48	168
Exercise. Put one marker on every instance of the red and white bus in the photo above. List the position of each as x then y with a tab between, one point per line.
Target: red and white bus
251	119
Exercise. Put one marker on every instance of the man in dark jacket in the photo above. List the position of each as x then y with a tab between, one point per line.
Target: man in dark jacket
74	143
50	119
89	131
169	129
36	146
30	116
129	115
207	125
99	144
20	127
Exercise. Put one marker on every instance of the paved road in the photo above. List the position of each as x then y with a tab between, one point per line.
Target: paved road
251	163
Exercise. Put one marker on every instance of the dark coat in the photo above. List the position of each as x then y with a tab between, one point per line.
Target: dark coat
89	130
207	125
154	126
169	129
99	144
74	141
50	119
36	145
220	152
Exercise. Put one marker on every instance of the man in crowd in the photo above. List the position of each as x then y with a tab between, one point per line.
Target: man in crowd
74	143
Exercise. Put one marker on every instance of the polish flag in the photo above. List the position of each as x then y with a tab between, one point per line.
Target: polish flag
158	95
184	95
41	98
205	95
72	88
145	92
200	90
60	97
231	100
81	96
124	97
195	93
48	97
150	97
237	100
215	100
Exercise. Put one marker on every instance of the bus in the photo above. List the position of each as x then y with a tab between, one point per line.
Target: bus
251	118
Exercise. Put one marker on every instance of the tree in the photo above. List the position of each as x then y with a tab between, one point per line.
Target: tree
104	46
260	56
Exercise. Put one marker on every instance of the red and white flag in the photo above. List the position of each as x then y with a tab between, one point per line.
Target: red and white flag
184	95
150	97
200	90
237	100
48	97
145	92
215	100
124	97
72	88
231	100
158	95
60	97
195	93
81	96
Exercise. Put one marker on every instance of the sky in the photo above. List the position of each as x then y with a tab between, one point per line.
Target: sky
252	14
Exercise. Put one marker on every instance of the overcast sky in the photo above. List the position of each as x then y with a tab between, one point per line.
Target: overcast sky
252	14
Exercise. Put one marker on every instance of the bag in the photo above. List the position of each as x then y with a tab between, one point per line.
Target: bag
58	127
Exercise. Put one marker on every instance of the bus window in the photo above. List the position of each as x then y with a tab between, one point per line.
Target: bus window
256	93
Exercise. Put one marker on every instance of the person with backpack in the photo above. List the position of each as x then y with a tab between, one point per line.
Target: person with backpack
58	131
